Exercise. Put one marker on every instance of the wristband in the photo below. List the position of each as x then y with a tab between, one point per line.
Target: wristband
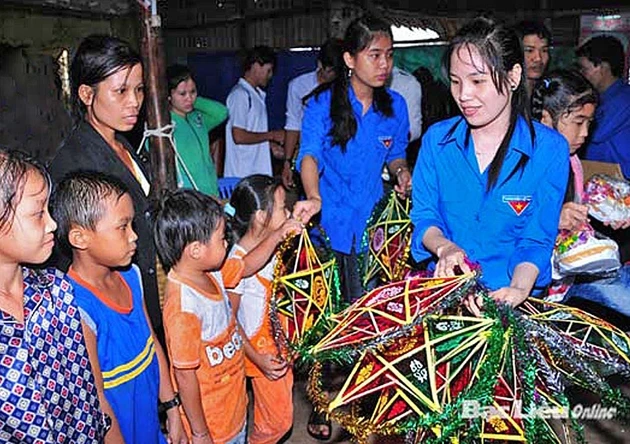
167	405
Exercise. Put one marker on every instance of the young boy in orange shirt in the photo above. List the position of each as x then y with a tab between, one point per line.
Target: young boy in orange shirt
203	338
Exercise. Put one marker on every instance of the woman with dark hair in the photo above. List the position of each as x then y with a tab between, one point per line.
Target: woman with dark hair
107	90
488	185
194	117
351	128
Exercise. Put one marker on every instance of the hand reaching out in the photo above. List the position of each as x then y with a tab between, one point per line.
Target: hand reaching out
289	227
303	210
508	295
403	182
451	260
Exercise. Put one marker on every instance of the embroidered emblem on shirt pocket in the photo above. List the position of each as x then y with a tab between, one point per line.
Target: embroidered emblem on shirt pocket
386	141
517	203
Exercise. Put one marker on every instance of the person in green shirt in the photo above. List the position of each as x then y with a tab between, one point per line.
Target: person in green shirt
194	118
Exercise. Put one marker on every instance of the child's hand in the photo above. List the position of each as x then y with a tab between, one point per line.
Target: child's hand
573	215
176	434
290	226
273	367
303	210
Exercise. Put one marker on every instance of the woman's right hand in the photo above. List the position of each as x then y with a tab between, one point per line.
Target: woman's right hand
303	210
572	216
451	260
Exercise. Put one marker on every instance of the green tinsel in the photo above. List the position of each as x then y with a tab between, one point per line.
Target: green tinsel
537	430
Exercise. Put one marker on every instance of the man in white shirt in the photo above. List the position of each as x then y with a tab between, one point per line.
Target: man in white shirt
407	86
247	137
329	63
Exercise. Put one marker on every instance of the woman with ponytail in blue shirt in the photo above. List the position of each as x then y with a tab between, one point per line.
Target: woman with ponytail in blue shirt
351	128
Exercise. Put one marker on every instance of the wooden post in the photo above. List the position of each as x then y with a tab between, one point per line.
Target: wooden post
162	154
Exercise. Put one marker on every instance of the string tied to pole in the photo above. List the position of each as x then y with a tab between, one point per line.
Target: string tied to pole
167	132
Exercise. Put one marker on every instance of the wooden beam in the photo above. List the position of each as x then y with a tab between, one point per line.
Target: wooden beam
158	116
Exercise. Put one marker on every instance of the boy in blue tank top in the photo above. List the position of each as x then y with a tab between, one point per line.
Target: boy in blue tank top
95	214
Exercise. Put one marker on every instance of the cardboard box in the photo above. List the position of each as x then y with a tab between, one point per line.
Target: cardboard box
592	167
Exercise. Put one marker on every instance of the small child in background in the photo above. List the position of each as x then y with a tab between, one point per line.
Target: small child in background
47	390
95	214
202	335
259	209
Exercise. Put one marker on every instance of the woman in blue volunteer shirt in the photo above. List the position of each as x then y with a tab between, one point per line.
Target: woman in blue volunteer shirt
489	184
350	129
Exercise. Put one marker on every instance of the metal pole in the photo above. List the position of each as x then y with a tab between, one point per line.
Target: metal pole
162	155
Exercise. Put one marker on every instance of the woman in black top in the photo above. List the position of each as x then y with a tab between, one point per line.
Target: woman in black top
107	94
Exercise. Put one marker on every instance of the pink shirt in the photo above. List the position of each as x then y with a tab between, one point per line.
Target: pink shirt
578	174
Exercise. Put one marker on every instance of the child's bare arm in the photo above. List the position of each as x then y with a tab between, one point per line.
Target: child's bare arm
191	401
176	432
260	255
114	436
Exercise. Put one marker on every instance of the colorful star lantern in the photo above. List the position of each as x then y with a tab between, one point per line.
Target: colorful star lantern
506	371
579	348
412	376
305	288
590	335
388	310
387	237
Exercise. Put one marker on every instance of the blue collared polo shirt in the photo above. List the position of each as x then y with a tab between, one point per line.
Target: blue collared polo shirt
514	222
350	183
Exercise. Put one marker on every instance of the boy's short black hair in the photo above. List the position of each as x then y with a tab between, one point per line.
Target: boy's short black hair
531	27
258	54
78	200
183	216
604	48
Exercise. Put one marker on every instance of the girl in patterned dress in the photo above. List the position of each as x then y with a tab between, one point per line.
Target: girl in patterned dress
47	390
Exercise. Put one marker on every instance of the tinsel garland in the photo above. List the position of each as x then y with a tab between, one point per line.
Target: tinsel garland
535	427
